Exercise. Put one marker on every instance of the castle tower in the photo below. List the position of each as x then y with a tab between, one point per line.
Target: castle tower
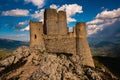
82	47
62	22
36	37
50	22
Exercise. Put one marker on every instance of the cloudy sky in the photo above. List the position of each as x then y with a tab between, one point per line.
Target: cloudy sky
102	16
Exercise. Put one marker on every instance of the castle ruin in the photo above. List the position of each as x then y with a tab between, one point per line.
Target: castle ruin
54	36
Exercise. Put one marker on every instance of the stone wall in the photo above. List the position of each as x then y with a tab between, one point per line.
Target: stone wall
50	22
82	47
62	22
56	38
55	23
36	35
60	44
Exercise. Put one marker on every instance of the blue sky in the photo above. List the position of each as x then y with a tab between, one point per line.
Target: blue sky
102	16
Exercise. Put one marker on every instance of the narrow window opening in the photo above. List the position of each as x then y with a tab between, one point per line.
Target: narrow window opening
35	36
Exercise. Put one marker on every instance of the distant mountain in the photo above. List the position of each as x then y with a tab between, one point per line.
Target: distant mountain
101	47
11	44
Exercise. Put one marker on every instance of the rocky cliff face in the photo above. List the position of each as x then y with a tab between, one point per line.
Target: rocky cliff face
31	64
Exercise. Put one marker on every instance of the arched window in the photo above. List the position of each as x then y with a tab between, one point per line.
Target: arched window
35	36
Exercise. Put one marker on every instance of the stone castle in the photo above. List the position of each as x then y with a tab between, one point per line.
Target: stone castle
54	36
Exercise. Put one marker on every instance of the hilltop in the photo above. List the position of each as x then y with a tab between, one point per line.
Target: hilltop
31	64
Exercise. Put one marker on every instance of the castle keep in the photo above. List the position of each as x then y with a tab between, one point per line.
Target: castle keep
54	36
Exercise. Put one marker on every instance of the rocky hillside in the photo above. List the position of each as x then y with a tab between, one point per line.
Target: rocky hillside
112	63
32	64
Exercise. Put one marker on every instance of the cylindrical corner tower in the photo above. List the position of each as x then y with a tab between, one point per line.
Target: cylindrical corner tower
62	22
50	22
36	38
82	47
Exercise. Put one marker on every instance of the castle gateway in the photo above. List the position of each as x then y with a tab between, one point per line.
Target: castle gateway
53	36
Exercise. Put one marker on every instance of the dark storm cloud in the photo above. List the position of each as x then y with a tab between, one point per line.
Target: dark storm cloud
109	31
105	25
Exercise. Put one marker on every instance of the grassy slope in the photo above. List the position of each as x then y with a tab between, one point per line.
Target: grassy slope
107	53
7	46
106	48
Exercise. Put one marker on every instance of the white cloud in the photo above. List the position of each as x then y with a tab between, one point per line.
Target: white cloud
38	14
38	3
20	36
102	20
69	19
95	21
26	28
93	29
16	12
53	6
109	14
71	10
21	24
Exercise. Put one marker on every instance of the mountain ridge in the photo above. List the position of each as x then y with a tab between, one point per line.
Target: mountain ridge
9	44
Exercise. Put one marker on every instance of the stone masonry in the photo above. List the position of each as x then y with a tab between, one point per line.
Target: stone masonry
53	36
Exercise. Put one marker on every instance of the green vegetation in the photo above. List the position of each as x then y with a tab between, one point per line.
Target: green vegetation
7	46
3	54
105	48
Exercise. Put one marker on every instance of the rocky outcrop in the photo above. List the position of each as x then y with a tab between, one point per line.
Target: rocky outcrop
32	64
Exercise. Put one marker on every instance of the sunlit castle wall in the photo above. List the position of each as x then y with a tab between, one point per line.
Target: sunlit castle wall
36	37
50	22
56	39
62	22
82	47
